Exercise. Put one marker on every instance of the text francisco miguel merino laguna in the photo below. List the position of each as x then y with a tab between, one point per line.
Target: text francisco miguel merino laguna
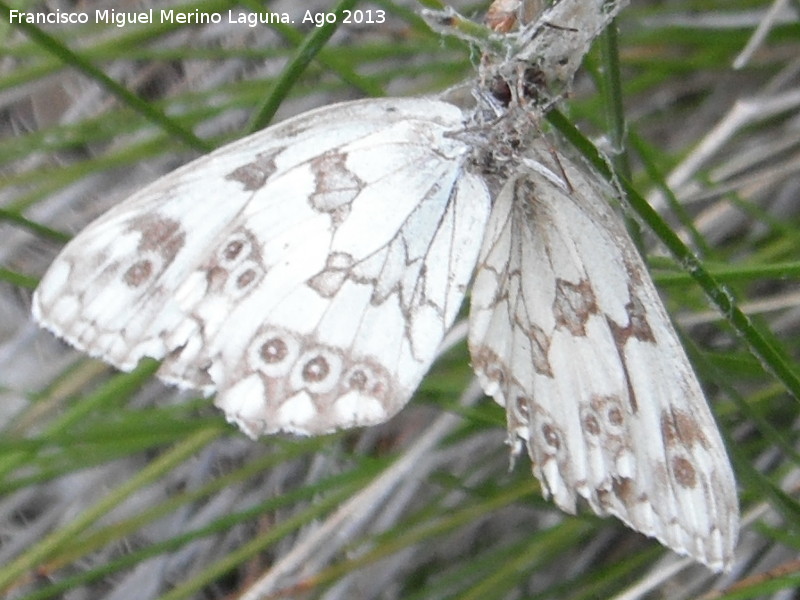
122	18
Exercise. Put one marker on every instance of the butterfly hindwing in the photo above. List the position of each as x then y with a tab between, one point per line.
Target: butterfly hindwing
262	271
568	333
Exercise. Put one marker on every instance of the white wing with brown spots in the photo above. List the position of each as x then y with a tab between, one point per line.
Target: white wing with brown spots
305	274
568	333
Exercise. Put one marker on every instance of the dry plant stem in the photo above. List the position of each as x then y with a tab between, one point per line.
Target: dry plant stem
764	305
653	579
743	113
309	555
760	34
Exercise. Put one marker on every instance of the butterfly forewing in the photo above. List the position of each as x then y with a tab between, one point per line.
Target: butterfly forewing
568	333
262	271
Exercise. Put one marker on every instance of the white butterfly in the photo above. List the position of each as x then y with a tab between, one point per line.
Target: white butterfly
306	275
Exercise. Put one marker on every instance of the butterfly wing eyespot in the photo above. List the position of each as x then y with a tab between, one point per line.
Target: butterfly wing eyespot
564	316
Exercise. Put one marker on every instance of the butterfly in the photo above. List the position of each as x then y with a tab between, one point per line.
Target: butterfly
306	275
